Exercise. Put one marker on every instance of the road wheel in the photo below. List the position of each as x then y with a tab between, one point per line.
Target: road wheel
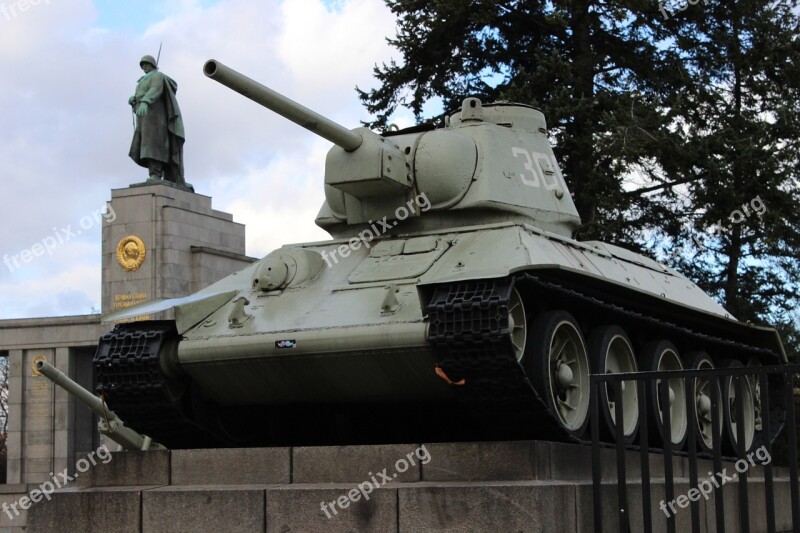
703	390
559	368
662	356
517	324
738	410
756	388
611	352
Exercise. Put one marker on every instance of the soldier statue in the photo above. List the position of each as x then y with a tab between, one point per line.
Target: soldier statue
158	138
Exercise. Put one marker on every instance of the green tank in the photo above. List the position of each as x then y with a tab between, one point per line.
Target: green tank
452	303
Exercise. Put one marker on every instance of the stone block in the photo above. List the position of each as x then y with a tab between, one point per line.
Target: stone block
62	440
171	270
487	506
33	438
174	242
14	420
756	507
131	211
574	461
783	506
176	256
95	510
37	465
14	444
189	509
14	469
635	512
354	464
15	363
37	423
192	215
125	468
231	466
299	508
225	216
61	413
12	517
38	389
15	387
486	461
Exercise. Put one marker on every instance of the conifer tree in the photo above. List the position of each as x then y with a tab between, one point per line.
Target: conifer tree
738	115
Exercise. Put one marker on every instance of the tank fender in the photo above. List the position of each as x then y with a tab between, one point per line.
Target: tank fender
189	311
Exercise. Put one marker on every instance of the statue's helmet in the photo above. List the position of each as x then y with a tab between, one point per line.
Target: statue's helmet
148	59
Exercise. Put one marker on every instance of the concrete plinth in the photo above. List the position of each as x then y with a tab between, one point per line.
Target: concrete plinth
469	487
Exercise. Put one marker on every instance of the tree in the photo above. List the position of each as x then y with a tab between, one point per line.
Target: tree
738	119
704	94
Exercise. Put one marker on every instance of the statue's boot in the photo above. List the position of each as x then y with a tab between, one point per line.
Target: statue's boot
156	169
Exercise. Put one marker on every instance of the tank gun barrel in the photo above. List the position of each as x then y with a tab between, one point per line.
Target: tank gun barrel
287	108
110	424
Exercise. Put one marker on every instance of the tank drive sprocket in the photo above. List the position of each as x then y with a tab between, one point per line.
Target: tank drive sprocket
129	378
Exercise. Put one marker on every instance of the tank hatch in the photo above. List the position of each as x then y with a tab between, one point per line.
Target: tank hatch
511	115
399	259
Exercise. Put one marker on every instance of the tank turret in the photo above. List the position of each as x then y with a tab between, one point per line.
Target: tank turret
490	162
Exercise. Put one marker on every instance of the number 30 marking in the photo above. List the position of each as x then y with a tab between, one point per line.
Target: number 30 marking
537	176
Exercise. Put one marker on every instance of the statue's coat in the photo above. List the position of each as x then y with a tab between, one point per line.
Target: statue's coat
159	134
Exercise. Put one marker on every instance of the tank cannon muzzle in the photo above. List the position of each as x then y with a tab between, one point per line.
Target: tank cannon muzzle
287	108
110	424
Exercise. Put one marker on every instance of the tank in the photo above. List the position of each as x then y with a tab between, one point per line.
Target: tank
452	303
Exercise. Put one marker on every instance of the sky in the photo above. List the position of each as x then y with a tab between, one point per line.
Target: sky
67	68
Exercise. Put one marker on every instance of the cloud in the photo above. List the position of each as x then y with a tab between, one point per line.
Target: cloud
65	125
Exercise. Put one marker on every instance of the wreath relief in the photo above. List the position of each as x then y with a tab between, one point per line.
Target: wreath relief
131	253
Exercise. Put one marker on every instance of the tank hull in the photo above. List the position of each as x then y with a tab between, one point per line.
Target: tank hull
332	341
356	337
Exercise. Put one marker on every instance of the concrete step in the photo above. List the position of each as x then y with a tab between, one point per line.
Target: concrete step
491	486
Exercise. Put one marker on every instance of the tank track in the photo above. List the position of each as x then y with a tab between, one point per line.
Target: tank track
470	335
128	376
469	332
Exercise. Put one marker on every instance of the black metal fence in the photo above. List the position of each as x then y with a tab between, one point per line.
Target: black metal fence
776	393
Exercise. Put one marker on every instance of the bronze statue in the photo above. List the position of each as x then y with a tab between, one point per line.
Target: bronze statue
159	136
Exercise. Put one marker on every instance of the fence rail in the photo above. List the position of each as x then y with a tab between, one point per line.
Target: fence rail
773	393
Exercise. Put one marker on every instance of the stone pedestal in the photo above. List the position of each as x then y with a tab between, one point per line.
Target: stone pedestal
464	487
163	242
